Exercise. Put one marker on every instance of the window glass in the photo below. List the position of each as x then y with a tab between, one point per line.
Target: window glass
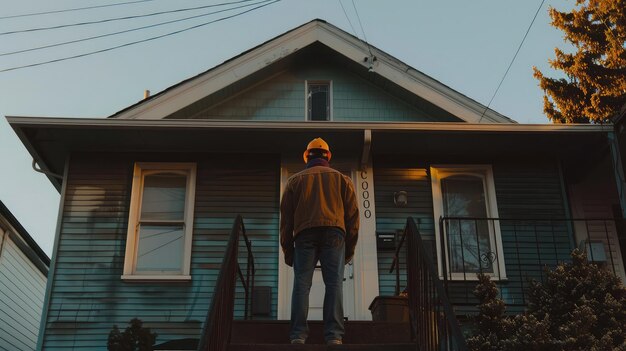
469	240
318	101
160	248
163	197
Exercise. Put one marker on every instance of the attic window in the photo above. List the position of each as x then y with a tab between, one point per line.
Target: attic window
318	101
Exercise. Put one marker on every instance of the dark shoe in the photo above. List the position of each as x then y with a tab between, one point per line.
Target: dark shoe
334	342
297	341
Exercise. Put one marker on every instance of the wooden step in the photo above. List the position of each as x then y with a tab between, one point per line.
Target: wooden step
345	347
273	335
357	332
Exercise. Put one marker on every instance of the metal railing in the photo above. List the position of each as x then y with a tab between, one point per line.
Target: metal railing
433	323
216	332
515	251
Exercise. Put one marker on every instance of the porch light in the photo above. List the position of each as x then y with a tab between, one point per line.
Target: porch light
400	198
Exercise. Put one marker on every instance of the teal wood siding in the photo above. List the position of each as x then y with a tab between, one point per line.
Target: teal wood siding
390	218
88	296
530	192
22	288
523	190
282	97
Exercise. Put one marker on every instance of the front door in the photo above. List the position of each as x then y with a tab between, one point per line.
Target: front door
316	298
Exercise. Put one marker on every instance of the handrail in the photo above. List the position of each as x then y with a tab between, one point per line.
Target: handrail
433	322
216	332
471	245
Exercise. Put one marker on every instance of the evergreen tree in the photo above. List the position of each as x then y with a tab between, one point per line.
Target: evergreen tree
580	307
595	88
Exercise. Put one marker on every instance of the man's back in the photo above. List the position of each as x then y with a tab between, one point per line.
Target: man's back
321	198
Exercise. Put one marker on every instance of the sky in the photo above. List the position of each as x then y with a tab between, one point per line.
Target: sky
466	45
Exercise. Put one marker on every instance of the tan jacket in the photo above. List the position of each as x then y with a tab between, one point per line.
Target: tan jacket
318	197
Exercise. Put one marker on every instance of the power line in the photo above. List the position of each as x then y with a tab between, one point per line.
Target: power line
362	30
359	19
72	9
513	60
126	31
139	41
120	18
348	18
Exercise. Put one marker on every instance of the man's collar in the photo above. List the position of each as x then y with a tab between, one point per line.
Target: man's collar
317	162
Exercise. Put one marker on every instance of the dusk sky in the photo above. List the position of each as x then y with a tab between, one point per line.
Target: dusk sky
466	45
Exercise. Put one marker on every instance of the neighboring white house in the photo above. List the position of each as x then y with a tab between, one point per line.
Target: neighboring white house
23	276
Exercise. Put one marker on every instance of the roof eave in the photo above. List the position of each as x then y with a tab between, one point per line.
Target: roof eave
23	234
19	122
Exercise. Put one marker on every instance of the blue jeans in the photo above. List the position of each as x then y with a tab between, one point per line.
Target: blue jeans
326	244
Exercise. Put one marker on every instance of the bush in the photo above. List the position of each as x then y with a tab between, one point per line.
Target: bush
134	338
580	307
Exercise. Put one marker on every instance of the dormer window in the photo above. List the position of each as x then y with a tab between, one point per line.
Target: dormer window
318	101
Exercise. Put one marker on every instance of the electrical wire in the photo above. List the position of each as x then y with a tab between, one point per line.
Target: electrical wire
348	18
120	18
136	42
126	31
359	19
513	60
73	9
362	30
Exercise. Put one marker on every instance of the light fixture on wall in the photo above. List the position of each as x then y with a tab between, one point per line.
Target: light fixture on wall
400	198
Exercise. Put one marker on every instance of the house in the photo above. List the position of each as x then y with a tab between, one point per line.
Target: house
23	273
149	195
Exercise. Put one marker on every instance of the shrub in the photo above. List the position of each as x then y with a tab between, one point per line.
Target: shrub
579	307
134	338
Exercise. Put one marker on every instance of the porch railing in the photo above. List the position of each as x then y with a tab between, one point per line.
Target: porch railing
216	332
514	251
433	323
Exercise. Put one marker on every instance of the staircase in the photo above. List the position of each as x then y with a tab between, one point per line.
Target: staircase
434	323
360	335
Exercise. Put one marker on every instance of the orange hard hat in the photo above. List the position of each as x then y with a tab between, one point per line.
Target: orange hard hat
316	144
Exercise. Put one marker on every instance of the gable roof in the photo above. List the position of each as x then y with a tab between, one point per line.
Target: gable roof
249	62
24	241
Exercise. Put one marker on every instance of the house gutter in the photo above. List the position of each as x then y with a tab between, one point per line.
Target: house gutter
18	123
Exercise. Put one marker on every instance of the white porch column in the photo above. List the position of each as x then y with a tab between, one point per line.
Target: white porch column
366	281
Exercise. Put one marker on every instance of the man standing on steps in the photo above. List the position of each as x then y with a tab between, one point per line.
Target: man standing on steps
319	221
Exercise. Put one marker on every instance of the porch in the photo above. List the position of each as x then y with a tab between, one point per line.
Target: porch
515	252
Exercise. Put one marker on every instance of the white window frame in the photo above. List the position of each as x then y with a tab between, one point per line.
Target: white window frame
142	169
439	172
306	98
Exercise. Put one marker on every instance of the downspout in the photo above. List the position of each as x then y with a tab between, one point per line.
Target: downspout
618	168
566	204
53	260
367	145
48	173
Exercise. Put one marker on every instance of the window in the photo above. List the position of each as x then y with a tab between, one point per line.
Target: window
318	101
160	224
465	197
